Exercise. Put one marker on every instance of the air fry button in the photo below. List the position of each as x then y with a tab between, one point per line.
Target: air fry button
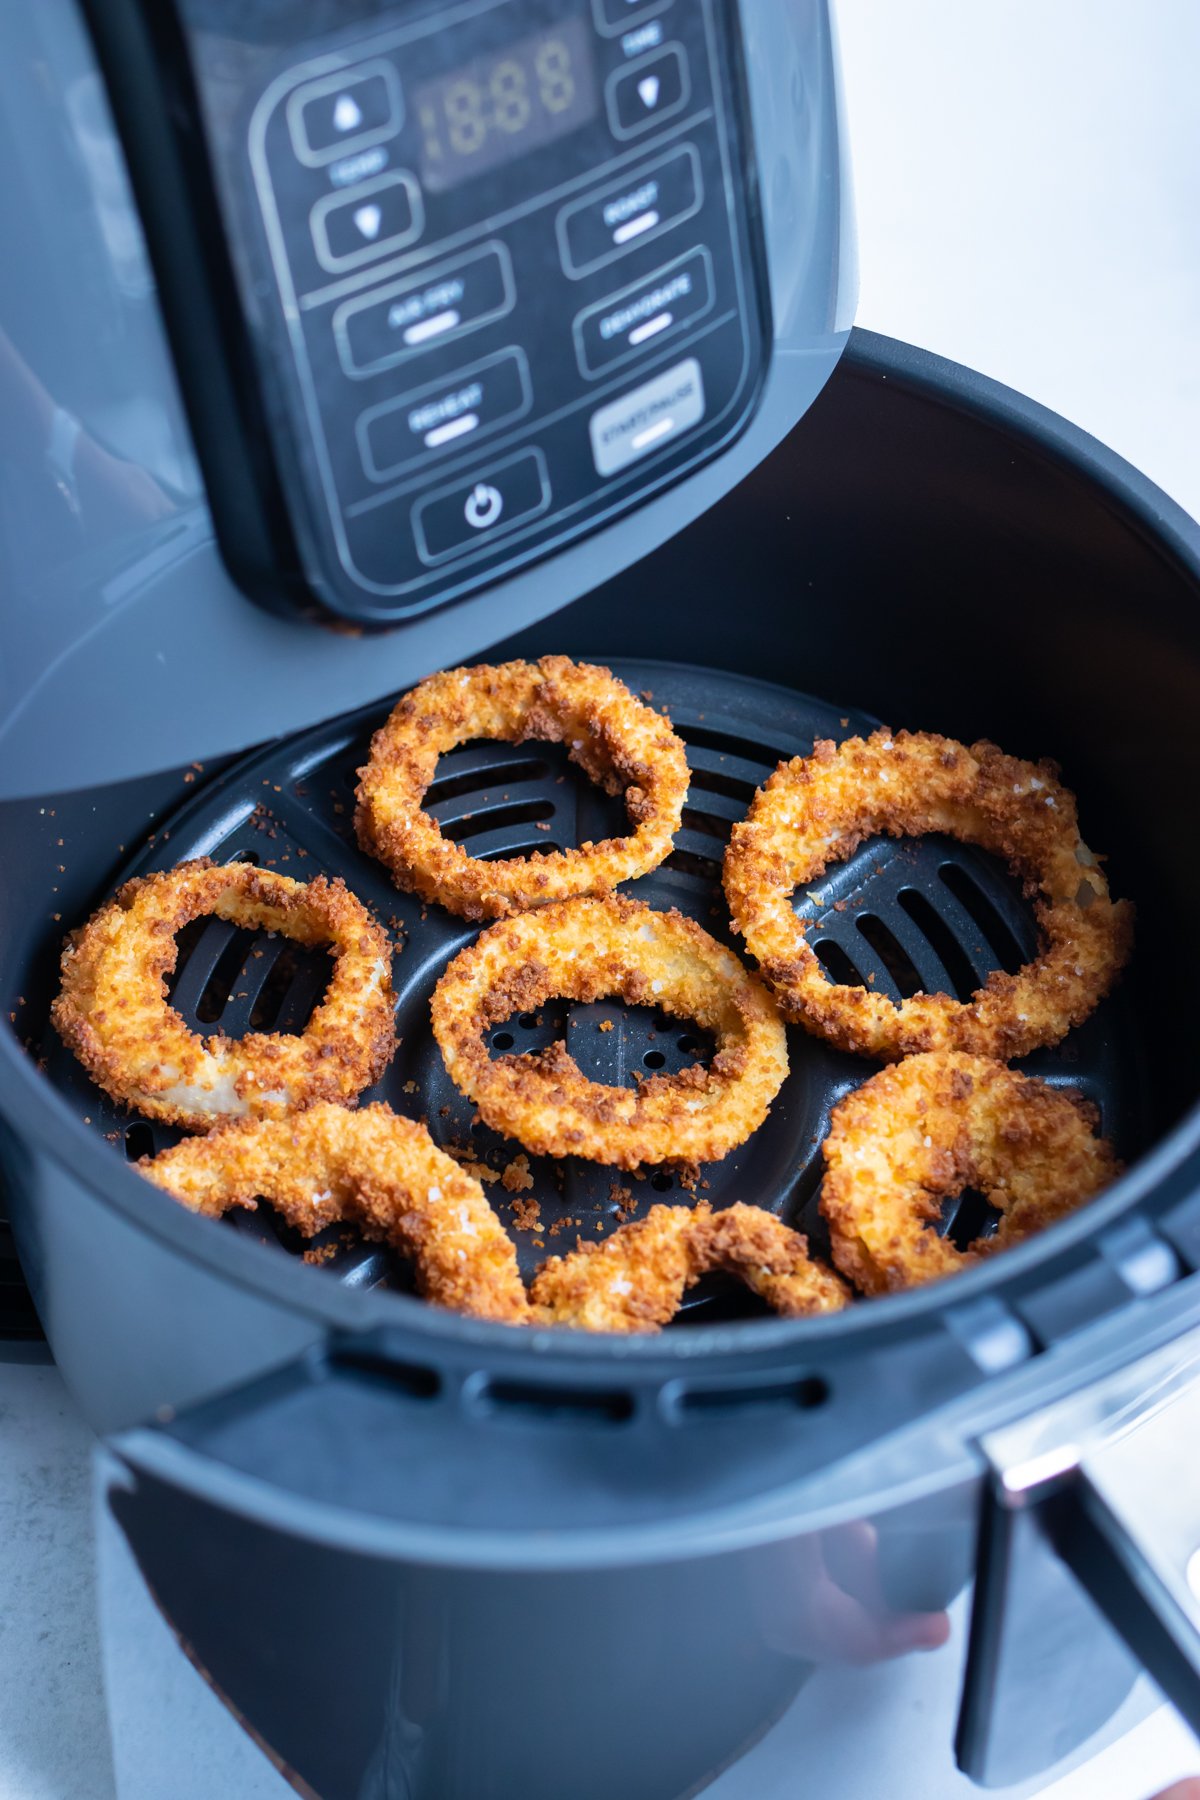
392	323
648	418
454	518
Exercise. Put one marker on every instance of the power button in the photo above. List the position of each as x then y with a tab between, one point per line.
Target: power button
455	518
484	506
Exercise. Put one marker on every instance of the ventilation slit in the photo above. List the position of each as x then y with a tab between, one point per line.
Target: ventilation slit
973	1217
688	863
997	932
219	986
662	1183
891	954
271	996
498	818
704	823
186	940
727	744
731	786
949	952
483	781
836	964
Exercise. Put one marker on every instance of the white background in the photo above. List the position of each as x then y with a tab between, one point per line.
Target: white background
1027	177
1028	195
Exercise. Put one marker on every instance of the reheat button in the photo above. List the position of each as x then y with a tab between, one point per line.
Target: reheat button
467	404
632	211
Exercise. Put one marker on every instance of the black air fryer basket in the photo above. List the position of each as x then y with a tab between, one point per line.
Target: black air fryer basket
926	550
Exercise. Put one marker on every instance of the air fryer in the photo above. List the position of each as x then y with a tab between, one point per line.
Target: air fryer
413	1553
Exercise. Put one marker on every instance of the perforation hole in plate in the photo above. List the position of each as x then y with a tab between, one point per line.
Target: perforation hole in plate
968	1217
924	893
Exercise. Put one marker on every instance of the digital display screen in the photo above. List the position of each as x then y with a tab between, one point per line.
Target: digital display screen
499	106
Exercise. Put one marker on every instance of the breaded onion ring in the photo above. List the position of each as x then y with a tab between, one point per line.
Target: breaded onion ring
925	1129
383	1173
584	950
635	1281
818	809
623	745
113	1011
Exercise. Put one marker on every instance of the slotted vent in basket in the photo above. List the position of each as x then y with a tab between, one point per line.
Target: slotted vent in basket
899	915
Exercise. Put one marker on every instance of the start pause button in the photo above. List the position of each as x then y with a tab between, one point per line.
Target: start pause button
651	416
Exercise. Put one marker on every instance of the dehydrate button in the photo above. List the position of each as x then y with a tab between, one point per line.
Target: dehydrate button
641	316
456	518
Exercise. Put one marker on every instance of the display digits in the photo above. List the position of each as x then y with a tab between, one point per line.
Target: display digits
465	122
511	105
556	84
484	112
468	109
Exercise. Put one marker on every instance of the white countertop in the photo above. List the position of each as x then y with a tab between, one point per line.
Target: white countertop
1028	191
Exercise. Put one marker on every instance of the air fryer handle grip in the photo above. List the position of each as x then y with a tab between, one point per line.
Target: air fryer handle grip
1128	1527
1092	1505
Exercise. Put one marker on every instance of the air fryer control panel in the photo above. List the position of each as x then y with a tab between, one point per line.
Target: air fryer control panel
500	271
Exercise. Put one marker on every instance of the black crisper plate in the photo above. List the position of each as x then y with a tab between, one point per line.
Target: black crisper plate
900	915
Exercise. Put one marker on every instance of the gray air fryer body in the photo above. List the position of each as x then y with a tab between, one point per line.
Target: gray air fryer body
373	336
419	316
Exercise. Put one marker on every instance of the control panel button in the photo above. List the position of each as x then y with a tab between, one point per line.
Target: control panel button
368	220
484	506
453	519
467	404
345	112
634	210
640	316
648	418
614	16
391	323
649	91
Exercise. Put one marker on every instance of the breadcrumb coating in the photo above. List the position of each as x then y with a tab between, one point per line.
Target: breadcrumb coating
113	1011
816	810
617	740
585	950
381	1172
635	1281
925	1129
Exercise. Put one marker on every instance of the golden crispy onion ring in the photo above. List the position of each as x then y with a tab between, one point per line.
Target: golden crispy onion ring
584	950
635	1281
818	809
925	1129
113	1011
621	743
383	1173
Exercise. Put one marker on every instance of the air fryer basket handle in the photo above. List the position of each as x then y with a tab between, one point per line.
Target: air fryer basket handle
1108	1481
